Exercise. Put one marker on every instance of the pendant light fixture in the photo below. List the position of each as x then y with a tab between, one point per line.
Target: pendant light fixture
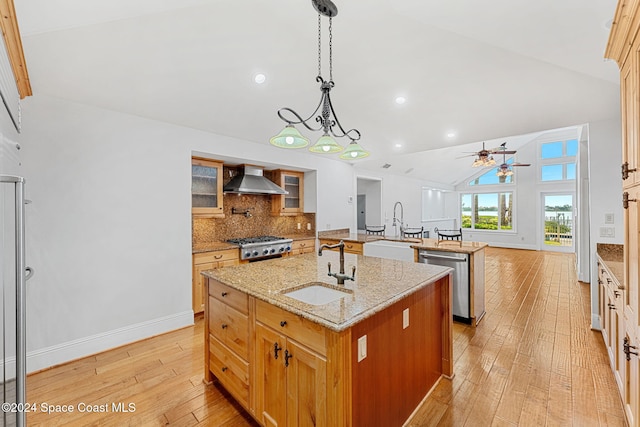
324	114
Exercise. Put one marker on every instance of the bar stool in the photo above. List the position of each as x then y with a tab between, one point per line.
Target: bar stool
375	229
413	232
448	234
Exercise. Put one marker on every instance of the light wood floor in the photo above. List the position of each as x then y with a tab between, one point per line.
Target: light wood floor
532	361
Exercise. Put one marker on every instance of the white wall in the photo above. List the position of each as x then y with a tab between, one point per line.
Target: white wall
605	193
109	230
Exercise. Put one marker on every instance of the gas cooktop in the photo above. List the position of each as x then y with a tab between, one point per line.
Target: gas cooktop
261	247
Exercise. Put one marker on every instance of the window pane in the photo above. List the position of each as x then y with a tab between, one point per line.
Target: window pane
551	150
486	217
572	147
571	171
465	205
552	173
506	211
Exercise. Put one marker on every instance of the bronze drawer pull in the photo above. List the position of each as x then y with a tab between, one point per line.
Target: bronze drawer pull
217	256
276	349
611	306
224	294
608	280
224	369
225	326
283	323
287	356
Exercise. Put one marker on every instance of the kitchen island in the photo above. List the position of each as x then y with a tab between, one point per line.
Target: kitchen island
367	357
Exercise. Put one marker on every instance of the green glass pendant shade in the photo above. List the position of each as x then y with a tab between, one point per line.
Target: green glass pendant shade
353	151
289	137
325	145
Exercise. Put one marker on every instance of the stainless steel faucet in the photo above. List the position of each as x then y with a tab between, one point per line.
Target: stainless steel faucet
341	276
401	220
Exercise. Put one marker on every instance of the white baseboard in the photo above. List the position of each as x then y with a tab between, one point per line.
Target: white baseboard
76	349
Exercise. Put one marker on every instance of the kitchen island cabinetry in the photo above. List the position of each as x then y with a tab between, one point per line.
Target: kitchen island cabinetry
318	364
203	261
290	204
303	246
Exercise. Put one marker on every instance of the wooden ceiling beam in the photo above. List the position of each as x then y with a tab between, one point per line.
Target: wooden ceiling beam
13	42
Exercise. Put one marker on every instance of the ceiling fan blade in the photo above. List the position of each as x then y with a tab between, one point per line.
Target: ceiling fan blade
500	151
520	164
468	155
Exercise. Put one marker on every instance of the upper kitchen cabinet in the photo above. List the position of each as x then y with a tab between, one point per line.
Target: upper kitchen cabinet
288	204
206	188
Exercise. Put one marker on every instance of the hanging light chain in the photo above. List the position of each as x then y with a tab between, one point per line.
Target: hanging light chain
319	46
330	50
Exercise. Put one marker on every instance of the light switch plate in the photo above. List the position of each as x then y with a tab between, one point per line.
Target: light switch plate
362	348
405	318
608	218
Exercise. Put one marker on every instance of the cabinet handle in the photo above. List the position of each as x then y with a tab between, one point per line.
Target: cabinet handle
626	200
616	293
224	294
627	348
611	306
224	326
602	270
626	170
283	323
288	356
224	369
599	282
276	349
217	256
608	281
302	245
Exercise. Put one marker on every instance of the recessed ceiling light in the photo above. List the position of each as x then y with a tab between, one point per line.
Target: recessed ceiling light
451	134
260	78
398	145
401	100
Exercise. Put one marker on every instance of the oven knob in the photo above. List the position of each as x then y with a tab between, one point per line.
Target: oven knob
288	248
273	251
266	252
247	254
255	253
281	249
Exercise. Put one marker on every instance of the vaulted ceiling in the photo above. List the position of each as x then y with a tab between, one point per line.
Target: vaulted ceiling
485	70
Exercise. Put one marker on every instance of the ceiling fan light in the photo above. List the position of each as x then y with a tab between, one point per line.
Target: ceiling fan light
289	137
325	145
353	151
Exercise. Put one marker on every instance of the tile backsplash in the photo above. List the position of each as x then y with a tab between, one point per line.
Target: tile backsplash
260	223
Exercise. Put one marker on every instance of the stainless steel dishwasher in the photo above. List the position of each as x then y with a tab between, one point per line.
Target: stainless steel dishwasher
460	264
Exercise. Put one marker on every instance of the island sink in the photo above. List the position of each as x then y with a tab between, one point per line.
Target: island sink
317	293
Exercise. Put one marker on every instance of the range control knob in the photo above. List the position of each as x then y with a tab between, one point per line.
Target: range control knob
266	251
273	251
288	248
255	253
247	254
281	249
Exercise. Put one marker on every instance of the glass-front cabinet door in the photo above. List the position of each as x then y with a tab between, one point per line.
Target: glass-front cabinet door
293	202
206	188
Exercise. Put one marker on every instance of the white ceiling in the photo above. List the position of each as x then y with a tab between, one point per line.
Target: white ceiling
485	70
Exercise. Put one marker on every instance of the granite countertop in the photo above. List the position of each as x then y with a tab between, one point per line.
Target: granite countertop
459	246
433	244
612	257
379	283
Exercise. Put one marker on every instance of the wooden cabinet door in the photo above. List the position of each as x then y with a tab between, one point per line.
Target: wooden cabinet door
631	396
631	265
293	202
306	387
206	188
271	405
198	295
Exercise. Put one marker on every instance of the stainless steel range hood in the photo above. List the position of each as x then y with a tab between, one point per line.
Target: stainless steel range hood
251	180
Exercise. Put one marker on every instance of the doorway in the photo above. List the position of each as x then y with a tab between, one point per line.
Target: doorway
369	202
362	211
558	222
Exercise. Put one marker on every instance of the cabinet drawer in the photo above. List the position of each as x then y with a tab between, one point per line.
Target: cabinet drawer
232	371
216	256
349	247
229	326
228	295
302	330
303	246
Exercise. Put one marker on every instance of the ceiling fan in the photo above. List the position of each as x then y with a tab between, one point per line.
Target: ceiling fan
484	157
505	168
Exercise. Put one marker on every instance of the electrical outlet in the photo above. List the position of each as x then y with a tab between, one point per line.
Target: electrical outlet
405	318
607	232
299	226
362	348
309	226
